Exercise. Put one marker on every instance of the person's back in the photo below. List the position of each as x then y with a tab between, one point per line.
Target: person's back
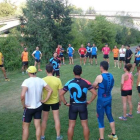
127	85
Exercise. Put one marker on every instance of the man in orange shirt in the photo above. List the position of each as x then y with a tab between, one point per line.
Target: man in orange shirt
24	57
116	54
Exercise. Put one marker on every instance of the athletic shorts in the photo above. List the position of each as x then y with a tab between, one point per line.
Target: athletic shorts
106	56
76	109
29	113
82	55
57	73
25	63
137	62
127	61
126	93
115	58
122	59
70	55
37	60
94	56
138	88
61	56
1	66
46	107
88	54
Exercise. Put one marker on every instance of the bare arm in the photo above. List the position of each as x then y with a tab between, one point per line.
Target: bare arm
33	55
21	55
62	98
49	90
132	80
97	81
138	80
23	92
94	94
122	81
59	91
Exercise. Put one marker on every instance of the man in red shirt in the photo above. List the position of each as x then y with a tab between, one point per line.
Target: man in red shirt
58	50
106	51
82	52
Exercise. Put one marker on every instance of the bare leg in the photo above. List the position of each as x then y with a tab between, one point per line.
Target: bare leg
4	72
124	99
96	61
84	59
72	60
120	64
23	68
115	63
25	131
63	60
101	131
112	125
71	129
86	131
130	104
80	61
38	65
35	63
38	128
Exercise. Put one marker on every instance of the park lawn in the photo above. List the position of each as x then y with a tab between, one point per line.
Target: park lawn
11	110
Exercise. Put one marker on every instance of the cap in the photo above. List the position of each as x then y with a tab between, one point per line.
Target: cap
32	69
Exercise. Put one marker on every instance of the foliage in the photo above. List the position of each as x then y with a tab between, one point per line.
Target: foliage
90	10
76	10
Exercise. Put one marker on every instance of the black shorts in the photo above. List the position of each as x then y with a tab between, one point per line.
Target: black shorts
56	72
122	59
1	66
82	55
37	60
25	63
61	56
29	113
138	88
127	61
88	54
106	56
46	107
137	62
76	109
126	93
94	56
115	58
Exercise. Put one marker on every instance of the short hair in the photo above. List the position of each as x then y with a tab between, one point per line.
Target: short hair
128	46
128	67
77	70
49	68
106	44
105	65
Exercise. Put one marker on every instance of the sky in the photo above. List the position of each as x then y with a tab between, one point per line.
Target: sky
105	5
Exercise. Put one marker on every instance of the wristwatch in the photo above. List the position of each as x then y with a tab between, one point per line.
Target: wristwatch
65	103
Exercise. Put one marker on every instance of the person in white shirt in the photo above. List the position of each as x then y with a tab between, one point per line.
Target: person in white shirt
122	52
31	98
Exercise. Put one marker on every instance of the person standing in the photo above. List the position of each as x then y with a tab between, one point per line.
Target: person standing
37	56
24	57
106	51
122	52
78	88
70	51
88	55
56	65
53	102
105	83
126	91
82	52
137	57
31	98
128	54
2	67
138	88
116	54
62	55
58	50
94	53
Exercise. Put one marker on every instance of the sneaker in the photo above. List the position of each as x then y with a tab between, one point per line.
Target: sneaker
113	137
43	138
128	115
22	73
138	112
59	138
7	79
39	70
123	118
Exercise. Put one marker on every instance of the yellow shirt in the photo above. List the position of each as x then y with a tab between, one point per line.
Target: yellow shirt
1	56
55	84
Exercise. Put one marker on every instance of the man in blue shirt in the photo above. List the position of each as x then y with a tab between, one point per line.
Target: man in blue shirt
88	55
78	89
70	51
56	65
37	56
94	53
105	83
138	57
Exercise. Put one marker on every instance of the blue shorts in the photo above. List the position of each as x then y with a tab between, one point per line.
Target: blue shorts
70	55
104	107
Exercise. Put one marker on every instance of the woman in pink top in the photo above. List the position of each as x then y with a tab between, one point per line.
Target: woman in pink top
126	91
106	50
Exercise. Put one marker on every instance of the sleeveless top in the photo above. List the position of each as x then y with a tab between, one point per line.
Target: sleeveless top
128	83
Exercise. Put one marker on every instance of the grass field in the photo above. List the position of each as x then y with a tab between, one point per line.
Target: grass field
11	109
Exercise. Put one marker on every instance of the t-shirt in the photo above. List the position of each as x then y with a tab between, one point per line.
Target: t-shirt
82	51
58	51
55	84
128	53
138	54
61	53
115	52
55	63
94	50
33	95
88	49
70	50
37	54
122	52
1	56
106	50
78	88
24	56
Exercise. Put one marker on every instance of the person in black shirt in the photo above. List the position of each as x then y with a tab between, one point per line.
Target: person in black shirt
128	54
78	89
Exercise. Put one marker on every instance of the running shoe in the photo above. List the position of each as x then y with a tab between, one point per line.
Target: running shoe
43	138
22	73
138	112
7	79
128	115
113	137
39	70
59	138
123	118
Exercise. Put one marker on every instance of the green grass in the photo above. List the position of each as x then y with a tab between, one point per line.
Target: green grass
11	109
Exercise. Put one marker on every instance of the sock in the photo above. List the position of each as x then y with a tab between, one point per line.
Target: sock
113	134
58	137
42	137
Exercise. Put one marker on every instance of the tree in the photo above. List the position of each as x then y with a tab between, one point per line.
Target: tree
76	10
47	23
90	11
